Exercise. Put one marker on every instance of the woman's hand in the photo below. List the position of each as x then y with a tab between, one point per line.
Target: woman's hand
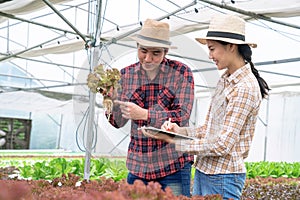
169	126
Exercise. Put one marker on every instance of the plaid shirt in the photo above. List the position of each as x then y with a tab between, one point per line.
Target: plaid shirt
229	126
169	95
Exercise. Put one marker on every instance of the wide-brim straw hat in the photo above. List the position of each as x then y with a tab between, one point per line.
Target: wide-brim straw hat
227	28
154	34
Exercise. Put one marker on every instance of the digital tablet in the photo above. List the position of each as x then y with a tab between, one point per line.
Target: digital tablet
172	134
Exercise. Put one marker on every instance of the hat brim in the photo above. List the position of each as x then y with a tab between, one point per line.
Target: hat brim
148	43
229	40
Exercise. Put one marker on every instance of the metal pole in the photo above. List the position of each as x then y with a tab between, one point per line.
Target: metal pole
89	142
91	116
59	133
266	130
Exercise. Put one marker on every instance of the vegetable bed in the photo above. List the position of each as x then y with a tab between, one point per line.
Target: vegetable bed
62	178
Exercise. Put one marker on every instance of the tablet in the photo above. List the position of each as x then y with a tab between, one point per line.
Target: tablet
172	134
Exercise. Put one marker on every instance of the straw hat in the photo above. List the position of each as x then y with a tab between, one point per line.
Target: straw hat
227	28
154	34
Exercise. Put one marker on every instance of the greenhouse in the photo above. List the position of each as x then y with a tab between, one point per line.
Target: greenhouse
48	48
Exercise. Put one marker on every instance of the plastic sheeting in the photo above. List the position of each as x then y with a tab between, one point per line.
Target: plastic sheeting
62	124
185	22
277	130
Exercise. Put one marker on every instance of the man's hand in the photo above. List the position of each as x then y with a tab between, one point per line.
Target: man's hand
130	110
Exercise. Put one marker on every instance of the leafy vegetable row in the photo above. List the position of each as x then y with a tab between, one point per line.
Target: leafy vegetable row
48	169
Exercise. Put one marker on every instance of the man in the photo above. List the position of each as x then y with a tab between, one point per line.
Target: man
152	91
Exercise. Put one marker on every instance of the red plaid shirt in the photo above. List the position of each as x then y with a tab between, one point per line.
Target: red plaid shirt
169	95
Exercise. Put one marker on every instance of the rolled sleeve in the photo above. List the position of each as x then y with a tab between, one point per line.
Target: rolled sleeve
191	146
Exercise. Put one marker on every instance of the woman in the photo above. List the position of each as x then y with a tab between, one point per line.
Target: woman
223	142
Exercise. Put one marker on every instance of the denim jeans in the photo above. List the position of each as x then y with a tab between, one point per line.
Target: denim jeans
228	185
179	182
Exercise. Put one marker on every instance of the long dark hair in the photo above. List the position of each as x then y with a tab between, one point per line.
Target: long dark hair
246	52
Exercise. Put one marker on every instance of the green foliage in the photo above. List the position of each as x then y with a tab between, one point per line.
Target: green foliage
193	173
49	169
273	169
266	169
265	180
57	167
115	170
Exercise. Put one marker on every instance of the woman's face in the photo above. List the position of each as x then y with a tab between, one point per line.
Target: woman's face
219	53
151	57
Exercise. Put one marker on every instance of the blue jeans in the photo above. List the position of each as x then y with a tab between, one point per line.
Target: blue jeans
179	182
228	185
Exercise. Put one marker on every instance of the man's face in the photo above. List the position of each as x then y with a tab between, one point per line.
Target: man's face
151	57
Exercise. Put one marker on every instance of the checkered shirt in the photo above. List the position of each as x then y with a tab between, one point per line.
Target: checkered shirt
229	126
169	95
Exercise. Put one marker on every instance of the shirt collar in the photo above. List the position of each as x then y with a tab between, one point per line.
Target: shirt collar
238	74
